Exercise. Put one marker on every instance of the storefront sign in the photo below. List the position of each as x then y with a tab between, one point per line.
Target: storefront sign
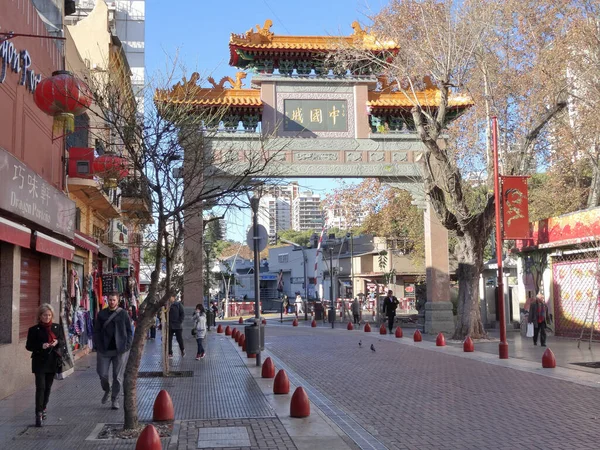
297	280
24	193
19	62
515	207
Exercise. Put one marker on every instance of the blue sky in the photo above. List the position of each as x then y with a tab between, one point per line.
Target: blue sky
197	32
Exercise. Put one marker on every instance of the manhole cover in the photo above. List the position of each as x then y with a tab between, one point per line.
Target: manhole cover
47	432
172	374
221	437
589	365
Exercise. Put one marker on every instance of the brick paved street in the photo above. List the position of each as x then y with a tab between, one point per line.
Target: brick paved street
399	397
411	398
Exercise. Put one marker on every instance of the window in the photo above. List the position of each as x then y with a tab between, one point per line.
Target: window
78	219
282	258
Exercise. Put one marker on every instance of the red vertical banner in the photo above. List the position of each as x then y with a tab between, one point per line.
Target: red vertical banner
515	207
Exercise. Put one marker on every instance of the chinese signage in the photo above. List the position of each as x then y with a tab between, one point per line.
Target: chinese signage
315	115
19	62
515	208
24	193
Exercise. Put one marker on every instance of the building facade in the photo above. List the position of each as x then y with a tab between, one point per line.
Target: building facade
37	219
307	212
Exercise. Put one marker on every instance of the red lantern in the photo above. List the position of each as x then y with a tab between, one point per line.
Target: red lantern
63	97
111	168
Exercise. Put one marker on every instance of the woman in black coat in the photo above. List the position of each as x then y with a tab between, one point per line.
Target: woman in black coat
44	340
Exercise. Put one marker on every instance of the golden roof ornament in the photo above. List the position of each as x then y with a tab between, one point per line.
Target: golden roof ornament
235	84
262	35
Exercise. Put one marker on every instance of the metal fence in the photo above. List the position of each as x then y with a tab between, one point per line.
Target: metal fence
576	280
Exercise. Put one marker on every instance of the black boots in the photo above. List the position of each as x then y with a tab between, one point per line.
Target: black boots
38	419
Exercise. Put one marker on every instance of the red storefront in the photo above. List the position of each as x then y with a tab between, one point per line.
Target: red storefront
36	217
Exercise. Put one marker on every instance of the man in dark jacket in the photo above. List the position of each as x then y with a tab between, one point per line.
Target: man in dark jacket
176	315
390	303
538	315
112	340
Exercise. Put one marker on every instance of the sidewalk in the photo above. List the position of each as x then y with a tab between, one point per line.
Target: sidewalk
519	347
222	402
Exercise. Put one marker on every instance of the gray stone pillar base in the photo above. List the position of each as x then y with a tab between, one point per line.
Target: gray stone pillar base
439	318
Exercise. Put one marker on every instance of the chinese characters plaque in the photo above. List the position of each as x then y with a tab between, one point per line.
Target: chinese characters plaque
315	115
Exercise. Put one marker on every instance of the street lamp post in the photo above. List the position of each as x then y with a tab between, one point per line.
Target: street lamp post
254	204
305	259
332	306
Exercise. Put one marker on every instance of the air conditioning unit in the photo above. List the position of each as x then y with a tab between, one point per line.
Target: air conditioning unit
80	162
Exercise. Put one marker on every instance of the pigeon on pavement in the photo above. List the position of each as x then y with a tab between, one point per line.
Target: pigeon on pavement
360	343
372	347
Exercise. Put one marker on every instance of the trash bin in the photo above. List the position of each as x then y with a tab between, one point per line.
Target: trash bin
210	318
318	308
253	338
331	315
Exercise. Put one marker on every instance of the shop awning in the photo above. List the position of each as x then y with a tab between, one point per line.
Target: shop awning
86	242
105	250
14	233
54	247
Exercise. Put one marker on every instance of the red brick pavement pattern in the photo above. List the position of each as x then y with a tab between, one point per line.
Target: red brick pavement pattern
264	434
411	398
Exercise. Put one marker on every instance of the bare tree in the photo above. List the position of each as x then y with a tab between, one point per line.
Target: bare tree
168	149
507	59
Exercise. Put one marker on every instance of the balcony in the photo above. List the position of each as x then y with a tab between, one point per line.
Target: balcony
91	192
136	200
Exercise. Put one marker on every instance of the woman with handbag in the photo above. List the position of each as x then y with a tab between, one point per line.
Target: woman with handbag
199	330
46	341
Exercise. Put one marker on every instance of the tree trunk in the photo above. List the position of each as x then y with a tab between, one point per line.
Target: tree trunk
469	251
594	194
133	365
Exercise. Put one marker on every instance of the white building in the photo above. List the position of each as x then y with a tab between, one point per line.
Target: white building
335	219
274	213
307	213
128	24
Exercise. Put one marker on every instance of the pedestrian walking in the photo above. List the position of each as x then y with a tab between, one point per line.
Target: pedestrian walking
538	316
112	339
176	316
299	305
390	303
215	310
45	341
200	329
356	311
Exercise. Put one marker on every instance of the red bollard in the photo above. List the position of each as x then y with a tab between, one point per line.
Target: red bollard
350	326
227	331
367	328
399	332
281	385
382	329
295	323
219	328
241	321
234	334
440	340
417	336
548	360
300	405
468	345
264	321
241	340
244	344
148	439
268	368
163	407
313	323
